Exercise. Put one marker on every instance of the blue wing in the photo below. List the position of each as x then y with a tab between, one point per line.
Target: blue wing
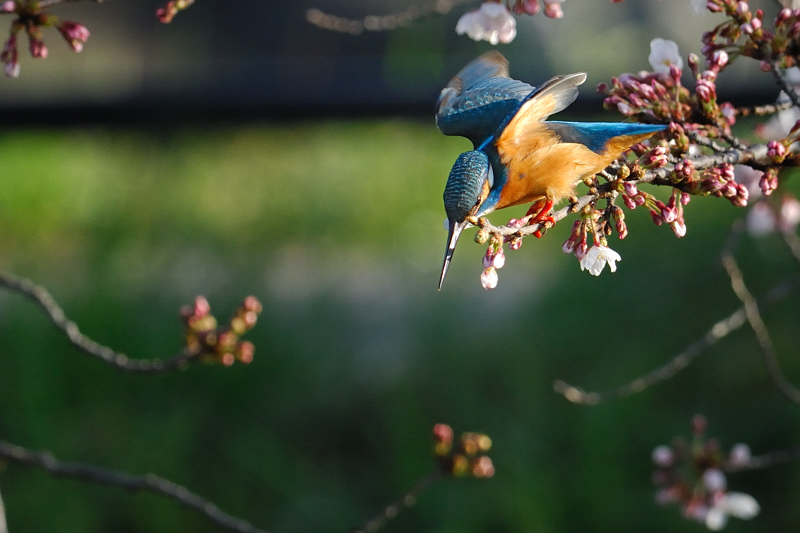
480	98
596	135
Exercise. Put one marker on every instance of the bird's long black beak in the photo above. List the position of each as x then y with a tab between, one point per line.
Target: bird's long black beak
453	234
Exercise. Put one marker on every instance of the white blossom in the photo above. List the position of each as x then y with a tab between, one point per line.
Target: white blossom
789	215
597	257
664	53
736	504
761	220
491	22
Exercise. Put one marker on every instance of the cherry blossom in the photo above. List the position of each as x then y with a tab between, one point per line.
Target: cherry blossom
663	54
491	22
597	257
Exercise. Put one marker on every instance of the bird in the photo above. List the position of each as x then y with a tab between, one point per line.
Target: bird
518	156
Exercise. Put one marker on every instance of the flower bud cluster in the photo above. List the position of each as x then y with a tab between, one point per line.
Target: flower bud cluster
220	344
467	457
552	8
781	45
648	94
166	13
32	20
719	181
493	259
692	475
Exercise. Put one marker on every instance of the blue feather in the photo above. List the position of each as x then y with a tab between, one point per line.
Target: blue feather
595	135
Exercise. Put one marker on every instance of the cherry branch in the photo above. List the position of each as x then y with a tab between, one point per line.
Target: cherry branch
409	499
754	316
765	461
47	303
3	523
147	483
716	333
387	22
50	3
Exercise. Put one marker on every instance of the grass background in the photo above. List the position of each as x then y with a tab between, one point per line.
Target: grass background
336	226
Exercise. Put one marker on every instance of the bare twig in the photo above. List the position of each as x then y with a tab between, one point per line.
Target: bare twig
754	317
766	460
148	483
3	523
793	242
406	501
760	110
50	3
56	315
387	22
783	83
717	332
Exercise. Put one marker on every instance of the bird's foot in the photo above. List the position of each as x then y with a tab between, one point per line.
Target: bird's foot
539	213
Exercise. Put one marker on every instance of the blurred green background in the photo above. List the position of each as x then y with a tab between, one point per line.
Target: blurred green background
336	226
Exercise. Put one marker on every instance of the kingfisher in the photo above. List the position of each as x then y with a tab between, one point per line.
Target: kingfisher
518	157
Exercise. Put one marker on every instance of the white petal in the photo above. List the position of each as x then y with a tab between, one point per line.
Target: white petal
740	505
716	519
664	53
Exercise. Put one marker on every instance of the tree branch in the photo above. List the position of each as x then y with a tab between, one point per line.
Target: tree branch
3	523
47	303
717	332
50	3
147	483
407	500
754	316
766	460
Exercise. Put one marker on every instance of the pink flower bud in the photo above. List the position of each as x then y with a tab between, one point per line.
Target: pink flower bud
489	278
8	7
625	108
553	10
679	228
75	34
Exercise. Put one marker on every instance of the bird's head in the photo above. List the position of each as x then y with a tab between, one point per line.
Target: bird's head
468	185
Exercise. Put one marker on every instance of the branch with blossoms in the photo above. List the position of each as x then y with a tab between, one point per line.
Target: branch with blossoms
204	339
493	21
32	17
465	457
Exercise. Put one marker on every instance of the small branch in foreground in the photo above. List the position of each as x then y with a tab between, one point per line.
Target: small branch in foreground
47	303
3	523
148	483
765	461
754	317
717	332
406	501
50	3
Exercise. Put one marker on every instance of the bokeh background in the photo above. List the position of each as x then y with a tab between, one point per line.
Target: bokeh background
241	151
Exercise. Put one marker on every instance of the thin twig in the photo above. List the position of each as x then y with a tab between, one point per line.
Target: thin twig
717	332
50	3
47	303
406	501
148	483
3	523
783	83
793	242
766	460
760	110
754	317
388	22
